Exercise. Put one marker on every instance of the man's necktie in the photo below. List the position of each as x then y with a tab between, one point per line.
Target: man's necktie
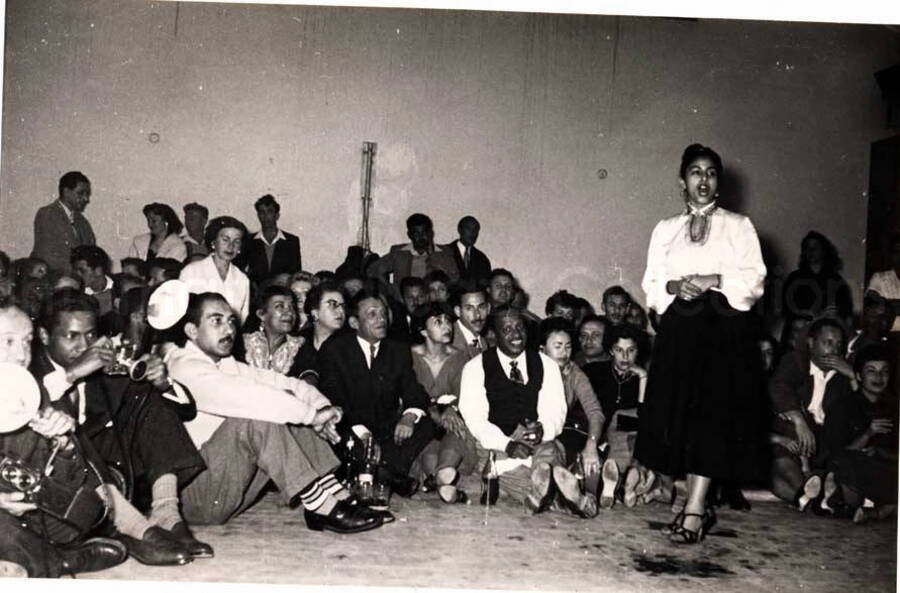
372	350
514	373
467	258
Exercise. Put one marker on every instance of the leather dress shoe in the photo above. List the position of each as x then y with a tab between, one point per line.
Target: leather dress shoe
93	555
404	486
386	516
181	534
156	548
581	503
343	518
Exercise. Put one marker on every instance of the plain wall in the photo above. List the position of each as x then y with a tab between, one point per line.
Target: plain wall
508	117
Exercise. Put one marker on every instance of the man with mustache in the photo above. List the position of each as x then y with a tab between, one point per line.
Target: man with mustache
514	403
472	310
255	425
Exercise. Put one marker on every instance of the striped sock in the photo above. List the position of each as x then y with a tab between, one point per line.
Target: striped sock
316	500
330	485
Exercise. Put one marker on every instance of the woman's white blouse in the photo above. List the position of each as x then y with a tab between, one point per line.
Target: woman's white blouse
172	247
202	276
732	250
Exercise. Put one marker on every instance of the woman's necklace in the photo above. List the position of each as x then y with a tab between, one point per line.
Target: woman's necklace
698	227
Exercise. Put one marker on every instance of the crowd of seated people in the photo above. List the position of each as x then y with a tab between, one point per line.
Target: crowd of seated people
277	375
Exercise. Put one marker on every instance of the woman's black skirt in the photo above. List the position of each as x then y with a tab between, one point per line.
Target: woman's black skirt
703	408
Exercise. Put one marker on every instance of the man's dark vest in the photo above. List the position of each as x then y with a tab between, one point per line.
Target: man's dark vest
511	403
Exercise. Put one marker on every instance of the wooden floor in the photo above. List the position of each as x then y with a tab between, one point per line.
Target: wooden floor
771	548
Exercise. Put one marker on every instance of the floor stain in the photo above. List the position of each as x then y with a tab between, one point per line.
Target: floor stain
666	564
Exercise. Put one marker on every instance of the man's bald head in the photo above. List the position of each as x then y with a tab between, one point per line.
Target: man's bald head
16	333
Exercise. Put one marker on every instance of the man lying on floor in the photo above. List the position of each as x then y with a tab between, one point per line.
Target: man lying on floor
254	425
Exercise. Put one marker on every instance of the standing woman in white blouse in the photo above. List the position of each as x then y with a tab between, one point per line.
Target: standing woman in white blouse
700	415
216	273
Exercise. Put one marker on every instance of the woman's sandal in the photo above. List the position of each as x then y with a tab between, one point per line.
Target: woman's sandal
682	535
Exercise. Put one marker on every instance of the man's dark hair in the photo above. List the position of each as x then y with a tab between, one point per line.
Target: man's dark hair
194	206
270	291
134	300
596	318
267	200
5	262
171	267
173	223
70	180
501	272
410	282
626	331
437	276
324	275
563	298
196	302
616	291
464	287
121	280
504	311
92	255
66	300
556	324
137	262
418	219
870	353
466	220
816	327
217	224
314	296
359	297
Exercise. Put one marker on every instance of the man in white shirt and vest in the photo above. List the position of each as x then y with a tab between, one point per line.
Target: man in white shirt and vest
513	402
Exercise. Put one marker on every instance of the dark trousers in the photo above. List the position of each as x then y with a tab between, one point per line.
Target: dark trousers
242	456
397	459
26	548
147	440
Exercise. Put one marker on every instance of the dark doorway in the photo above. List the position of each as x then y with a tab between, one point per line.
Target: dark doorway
884	202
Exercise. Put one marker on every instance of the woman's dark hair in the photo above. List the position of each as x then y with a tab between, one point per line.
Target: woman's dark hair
831	261
421	315
696	151
314	296
217	224
262	301
869	353
626	331
5	262
173	223
563	298
556	324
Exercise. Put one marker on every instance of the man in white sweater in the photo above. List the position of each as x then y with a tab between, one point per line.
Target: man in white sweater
254	425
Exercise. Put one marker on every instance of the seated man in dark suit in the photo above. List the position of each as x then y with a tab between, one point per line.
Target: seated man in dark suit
92	265
371	377
270	251
414	294
461	260
126	421
616	304
32	542
804	389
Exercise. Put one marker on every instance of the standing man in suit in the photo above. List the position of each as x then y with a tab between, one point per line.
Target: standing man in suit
195	218
415	258
371	377
461	260
271	251
472	309
61	226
